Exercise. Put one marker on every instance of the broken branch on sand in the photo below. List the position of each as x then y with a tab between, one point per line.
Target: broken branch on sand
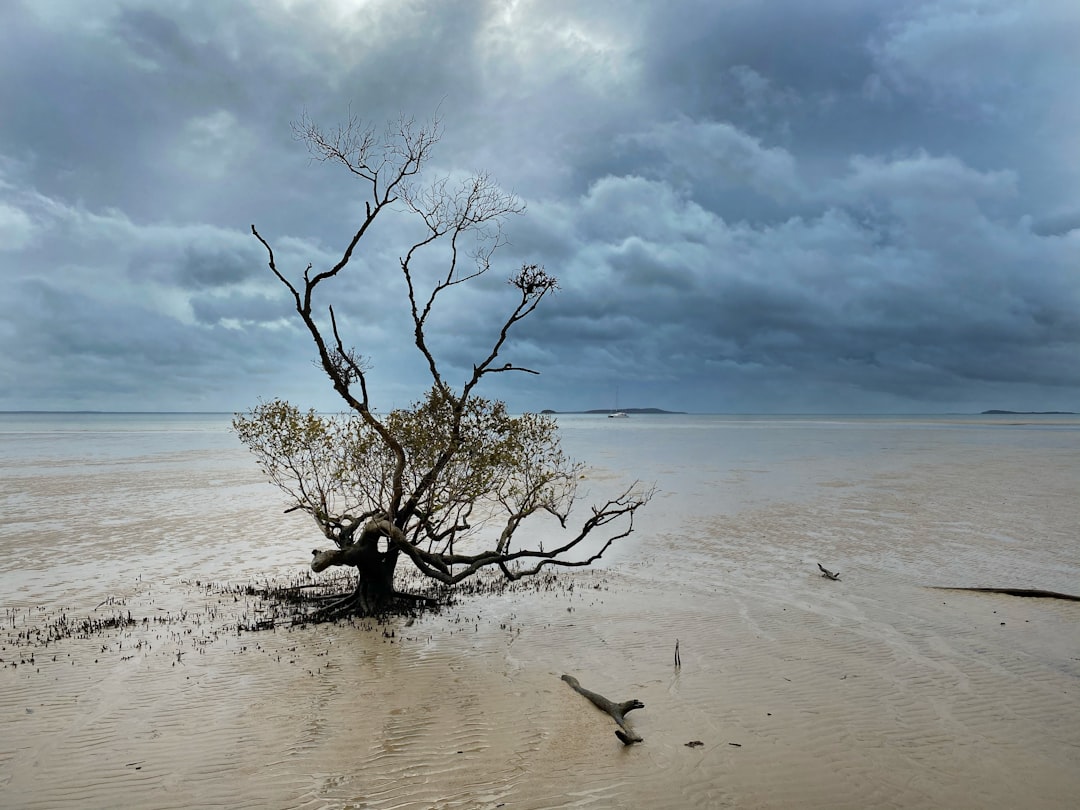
617	710
1030	592
825	572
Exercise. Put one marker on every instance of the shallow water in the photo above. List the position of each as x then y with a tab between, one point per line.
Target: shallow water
874	691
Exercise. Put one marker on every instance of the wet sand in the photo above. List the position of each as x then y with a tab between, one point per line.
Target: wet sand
872	691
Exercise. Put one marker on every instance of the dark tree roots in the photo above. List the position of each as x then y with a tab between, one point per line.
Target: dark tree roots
617	711
360	604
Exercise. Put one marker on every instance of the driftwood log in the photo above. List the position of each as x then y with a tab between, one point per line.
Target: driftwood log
1030	592
617	711
825	572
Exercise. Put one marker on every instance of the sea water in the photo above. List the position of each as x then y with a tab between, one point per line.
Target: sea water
88	500
916	697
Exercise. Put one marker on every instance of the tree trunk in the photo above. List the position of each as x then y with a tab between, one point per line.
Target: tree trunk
374	580
374	577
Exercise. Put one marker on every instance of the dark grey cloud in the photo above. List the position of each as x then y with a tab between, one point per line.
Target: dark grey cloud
759	207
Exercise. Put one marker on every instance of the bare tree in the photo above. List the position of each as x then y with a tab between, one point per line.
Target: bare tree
448	482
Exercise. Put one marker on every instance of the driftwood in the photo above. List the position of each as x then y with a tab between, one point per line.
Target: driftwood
1031	592
617	710
825	572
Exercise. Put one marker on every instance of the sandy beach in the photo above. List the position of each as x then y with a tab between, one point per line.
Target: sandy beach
876	690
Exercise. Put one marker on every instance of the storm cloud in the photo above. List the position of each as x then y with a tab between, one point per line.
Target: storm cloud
843	206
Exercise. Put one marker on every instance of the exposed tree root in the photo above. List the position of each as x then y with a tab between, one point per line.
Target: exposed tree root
299	601
617	710
1030	592
335	610
361	605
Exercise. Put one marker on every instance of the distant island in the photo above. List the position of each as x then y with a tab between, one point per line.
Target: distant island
613	410
1031	413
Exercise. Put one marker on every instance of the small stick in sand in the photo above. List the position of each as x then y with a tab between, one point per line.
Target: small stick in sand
825	572
678	661
617	710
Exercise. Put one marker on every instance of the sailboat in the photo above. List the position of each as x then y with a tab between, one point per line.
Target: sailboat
617	414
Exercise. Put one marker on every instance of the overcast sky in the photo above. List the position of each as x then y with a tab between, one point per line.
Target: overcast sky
770	206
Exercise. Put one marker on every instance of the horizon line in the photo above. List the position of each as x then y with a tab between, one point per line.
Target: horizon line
590	412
